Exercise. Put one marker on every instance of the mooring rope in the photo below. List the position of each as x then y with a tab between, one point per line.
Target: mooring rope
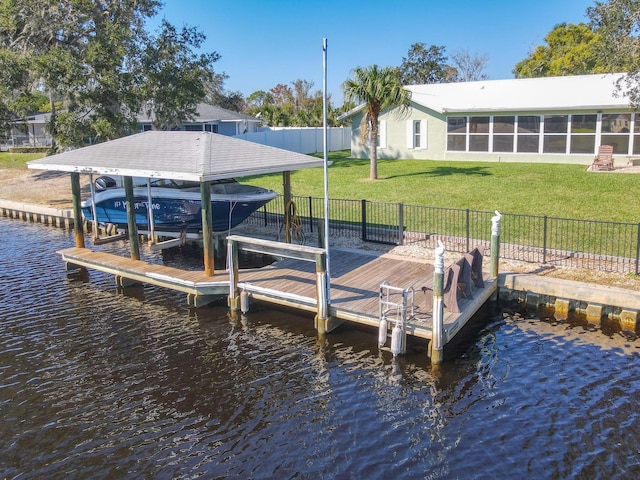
293	224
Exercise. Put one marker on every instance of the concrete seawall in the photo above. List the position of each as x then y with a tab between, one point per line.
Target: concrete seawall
597	302
37	213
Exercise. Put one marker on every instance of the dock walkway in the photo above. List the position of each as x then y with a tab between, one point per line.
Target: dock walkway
356	277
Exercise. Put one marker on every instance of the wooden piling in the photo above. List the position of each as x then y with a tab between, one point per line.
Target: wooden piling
207	228
437	341
134	244
77	210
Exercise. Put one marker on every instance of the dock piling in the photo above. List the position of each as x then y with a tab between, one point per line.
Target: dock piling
437	341
77	210
495	244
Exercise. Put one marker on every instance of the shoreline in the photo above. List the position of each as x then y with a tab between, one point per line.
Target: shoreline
49	193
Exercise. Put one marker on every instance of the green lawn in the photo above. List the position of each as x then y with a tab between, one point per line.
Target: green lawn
554	190
17	160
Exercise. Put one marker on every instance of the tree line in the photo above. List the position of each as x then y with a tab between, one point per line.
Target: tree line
95	68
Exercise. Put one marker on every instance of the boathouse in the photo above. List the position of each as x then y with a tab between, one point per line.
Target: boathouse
399	296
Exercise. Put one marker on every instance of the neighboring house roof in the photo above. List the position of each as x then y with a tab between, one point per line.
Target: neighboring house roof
198	156
38	118
210	113
579	92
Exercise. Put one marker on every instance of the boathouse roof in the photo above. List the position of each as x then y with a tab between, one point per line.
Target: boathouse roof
197	156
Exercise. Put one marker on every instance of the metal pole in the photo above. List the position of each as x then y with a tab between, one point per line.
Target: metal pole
151	225
232	262
495	244
437	335
638	249
92	188
544	241
326	166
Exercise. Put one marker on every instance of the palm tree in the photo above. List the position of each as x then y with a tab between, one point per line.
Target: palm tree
378	89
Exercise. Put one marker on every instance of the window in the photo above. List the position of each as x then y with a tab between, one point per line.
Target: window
615	131
583	133
457	134
381	138
503	133
479	134
636	136
555	134
416	134
552	133
528	134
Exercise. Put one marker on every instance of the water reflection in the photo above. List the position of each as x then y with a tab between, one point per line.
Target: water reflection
96	383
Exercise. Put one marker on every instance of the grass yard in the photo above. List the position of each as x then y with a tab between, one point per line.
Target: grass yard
555	190
17	160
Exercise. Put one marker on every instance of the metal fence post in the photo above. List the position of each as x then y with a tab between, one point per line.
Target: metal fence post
310	215
400	224
364	220
637	248
544	240
467	230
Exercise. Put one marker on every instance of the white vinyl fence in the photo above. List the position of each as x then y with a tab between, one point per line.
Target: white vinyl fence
302	139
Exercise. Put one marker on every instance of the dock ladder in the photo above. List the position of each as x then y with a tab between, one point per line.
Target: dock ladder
397	306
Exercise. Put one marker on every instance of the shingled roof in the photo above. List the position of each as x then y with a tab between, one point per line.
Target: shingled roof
197	156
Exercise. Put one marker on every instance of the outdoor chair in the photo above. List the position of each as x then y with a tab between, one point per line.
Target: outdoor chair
604	159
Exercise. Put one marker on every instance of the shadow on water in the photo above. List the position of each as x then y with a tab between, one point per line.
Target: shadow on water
191	257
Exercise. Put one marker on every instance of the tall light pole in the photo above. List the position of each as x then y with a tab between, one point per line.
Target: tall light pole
326	164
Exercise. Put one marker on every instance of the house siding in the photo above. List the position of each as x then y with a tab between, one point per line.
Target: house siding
436	146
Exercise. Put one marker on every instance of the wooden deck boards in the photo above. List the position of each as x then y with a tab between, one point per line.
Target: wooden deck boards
355	283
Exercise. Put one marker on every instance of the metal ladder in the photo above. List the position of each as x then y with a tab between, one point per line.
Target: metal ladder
396	306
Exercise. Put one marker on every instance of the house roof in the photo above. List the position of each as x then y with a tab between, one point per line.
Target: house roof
579	92
210	113
197	156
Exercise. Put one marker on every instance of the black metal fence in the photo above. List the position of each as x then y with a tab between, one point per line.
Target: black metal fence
589	244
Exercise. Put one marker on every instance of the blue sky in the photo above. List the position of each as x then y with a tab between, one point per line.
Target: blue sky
263	43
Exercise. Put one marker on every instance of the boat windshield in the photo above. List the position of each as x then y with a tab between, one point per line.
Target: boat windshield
182	184
168	183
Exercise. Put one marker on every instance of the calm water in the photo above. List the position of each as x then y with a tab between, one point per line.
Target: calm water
99	384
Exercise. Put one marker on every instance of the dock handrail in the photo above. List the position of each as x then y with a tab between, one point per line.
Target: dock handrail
269	247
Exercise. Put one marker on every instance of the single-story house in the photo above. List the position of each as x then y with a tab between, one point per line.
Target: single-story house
209	118
550	119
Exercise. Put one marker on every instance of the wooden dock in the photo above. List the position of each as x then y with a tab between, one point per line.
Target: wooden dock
354	296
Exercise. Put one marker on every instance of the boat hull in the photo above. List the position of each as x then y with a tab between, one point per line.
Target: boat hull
175	213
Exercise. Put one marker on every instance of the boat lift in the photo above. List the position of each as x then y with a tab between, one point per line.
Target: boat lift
397	306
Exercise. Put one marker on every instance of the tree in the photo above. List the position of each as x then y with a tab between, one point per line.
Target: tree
285	106
98	58
618	23
174	78
425	65
379	89
469	67
571	49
